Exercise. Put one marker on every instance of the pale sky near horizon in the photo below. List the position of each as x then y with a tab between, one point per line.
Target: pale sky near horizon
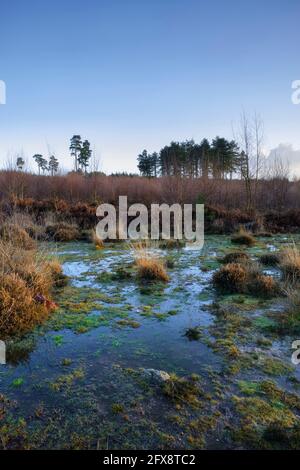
135	74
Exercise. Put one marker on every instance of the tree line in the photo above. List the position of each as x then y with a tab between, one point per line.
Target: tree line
219	158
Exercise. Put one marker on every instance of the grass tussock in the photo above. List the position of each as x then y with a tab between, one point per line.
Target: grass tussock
63	232
183	389
26	280
263	286
57	276
242	237
244	278
16	235
151	269
235	257
290	264
149	266
231	278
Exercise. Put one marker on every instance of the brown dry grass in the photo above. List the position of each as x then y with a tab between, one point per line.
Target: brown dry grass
151	269
63	232
17	235
231	278
26	280
245	278
290	264
263	286
242	237
19	311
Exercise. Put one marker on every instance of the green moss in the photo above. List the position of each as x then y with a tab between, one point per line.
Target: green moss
247	387
58	340
257	417
264	323
117	408
67	380
66	362
275	394
18	382
260	412
208	264
199	427
19	349
181	389
273	366
129	322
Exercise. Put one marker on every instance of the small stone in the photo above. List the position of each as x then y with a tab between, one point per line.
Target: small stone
156	375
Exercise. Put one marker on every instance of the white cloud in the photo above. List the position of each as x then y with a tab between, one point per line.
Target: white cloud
287	154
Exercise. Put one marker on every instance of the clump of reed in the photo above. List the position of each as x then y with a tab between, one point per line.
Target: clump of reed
290	264
244	278
242	237
151	269
149	266
231	278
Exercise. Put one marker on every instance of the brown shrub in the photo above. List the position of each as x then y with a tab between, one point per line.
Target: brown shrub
242	237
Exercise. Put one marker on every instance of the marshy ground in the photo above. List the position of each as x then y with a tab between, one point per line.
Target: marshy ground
88	377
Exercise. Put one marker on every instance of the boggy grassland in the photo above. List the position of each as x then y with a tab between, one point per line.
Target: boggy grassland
126	346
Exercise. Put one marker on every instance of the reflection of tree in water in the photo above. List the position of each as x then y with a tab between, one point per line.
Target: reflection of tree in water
18	350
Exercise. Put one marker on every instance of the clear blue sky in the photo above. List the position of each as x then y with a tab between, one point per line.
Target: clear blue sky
134	74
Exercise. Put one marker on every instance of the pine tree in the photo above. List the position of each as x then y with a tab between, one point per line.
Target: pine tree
84	155
53	165
75	148
145	163
41	162
20	163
